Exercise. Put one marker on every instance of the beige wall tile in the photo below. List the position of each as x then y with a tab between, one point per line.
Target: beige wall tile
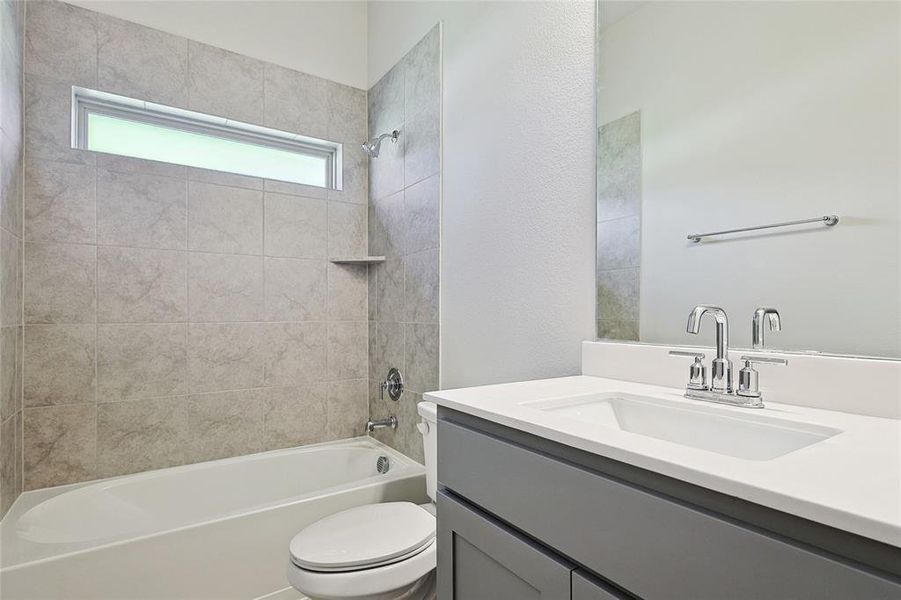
141	435
9	398
390	290
224	424
348	286
225	84
226	179
348	342
48	115
224	356
60	445
142	63
422	214
225	287
59	364
128	164
348	408
60	281
296	102
139	285
294	353
422	147
296	227
59	202
295	416
295	290
10	278
139	209
11	209
224	219
9	472
346	230
421	348
141	361
61	42
421	287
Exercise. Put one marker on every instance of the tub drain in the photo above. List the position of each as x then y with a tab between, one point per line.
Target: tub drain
382	464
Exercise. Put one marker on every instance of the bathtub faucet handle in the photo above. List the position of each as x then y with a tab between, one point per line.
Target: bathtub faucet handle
393	384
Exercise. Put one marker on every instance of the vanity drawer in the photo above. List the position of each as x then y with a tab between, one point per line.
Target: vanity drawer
643	542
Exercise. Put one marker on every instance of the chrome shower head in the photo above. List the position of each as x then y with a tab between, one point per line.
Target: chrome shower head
371	147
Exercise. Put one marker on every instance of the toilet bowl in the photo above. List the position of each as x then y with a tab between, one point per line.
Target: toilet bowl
382	551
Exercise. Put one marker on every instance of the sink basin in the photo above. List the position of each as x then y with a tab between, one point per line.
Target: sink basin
751	436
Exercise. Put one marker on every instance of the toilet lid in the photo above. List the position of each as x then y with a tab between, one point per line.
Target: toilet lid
365	536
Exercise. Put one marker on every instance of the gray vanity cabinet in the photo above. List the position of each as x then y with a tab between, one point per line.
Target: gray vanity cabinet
523	517
480	559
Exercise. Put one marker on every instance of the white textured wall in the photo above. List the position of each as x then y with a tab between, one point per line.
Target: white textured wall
757	112
322	38
517	282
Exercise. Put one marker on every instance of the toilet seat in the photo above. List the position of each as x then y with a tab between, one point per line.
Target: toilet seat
363	537
364	551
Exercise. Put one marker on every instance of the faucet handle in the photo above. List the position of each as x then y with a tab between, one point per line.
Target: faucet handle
748	379
750	360
697	373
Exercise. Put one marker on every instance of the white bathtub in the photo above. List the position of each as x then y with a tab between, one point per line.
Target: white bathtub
217	530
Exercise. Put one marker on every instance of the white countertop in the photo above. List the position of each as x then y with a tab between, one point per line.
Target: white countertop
851	481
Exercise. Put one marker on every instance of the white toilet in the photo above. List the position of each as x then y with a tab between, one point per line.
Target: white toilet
380	551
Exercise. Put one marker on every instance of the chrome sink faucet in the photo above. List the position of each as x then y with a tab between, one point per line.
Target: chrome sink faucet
721	368
719	388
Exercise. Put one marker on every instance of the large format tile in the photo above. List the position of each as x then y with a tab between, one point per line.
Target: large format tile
618	295
348	122
141	435
224	84
348	408
11	209
295	290
11	76
60	445
388	350
346	230
421	346
48	122
61	42
421	287
224	219
139	285
422	214
10	278
422	147
139	209
9	466
141	361
60	364
422	78
348	350
294	353
296	102
388	226
386	101
619	244
130	164
390	290
9	399
619	168
59	202
225	287
60	281
295	416
354	176
225	178
348	287
618	330
224	424
224	356
142	63
296	227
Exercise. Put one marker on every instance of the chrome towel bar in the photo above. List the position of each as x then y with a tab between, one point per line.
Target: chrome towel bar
828	221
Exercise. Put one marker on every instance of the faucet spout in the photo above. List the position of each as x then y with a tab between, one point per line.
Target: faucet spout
764	316
722	367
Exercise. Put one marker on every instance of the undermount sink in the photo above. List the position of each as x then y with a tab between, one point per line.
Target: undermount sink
751	436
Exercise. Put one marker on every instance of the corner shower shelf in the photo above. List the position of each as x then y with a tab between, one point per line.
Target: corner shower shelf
360	260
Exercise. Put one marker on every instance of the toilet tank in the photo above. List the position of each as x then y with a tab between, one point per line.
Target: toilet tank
428	427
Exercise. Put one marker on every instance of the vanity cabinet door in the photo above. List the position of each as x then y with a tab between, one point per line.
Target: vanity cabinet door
586	587
481	559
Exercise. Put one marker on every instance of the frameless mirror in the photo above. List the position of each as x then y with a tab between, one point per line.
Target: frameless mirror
717	116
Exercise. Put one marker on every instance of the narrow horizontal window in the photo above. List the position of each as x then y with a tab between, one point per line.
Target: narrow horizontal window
113	124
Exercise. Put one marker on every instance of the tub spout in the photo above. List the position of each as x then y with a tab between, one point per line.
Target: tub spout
381	424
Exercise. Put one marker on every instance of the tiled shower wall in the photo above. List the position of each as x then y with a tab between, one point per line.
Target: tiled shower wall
12	19
404	214
175	315
619	228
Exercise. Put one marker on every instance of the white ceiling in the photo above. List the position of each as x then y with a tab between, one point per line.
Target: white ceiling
319	37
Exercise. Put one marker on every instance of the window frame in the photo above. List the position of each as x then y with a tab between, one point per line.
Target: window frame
87	101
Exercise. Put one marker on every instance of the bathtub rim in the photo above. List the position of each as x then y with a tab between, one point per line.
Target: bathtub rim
32	498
